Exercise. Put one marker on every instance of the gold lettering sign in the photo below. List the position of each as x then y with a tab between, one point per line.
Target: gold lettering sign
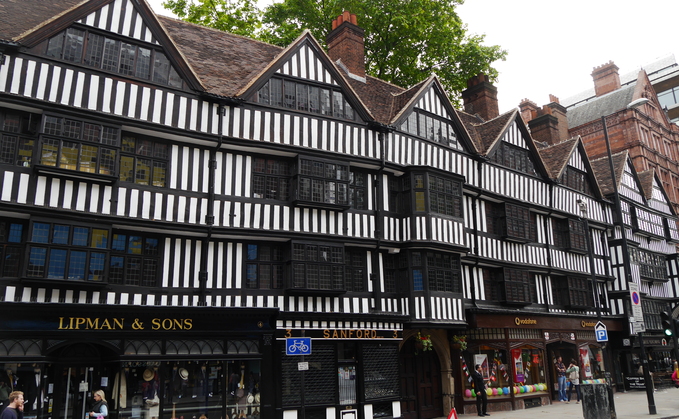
520	322
350	334
118	323
585	323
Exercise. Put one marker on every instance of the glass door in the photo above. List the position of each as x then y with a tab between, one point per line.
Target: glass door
76	391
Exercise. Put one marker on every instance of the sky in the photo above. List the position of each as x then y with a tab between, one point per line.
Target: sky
554	46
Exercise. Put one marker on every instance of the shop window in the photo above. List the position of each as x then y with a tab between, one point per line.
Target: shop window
17	135
513	157
321	182
94	50
431	127
571	291
143	161
523	366
264	266
270	179
439	271
317	267
301	96
436	194
570	234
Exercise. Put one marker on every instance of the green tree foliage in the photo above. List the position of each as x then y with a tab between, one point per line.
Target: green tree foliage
405	40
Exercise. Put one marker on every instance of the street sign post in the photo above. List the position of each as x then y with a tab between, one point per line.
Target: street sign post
601	332
637	313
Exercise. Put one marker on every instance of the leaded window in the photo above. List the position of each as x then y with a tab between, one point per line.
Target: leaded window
17	137
438	194
301	96
576	179
513	157
270	179
134	260
570	234
652	266
354	270
110	54
437	271
317	266
572	291
11	247
431	127
264	266
143	161
519	223
322	182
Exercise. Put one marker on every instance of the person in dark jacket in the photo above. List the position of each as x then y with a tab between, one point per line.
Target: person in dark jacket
15	409
100	407
481	396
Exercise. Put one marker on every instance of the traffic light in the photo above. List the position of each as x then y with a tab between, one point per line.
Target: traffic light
667	323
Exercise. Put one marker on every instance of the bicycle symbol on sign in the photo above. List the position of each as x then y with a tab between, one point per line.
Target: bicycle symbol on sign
298	345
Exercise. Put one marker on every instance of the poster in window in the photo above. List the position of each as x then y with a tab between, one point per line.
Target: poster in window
518	366
584	360
482	359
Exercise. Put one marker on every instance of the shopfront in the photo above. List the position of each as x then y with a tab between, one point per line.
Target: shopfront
151	363
517	355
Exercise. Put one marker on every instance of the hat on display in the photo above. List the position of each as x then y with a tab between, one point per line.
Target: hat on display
148	375
251	398
183	374
257	398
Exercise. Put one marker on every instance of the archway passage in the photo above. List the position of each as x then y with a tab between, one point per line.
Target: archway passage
420	383
566	351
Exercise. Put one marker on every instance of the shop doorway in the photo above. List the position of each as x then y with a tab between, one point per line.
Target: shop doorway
566	351
420	383
80	370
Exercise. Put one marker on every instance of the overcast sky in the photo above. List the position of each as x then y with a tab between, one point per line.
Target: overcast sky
553	46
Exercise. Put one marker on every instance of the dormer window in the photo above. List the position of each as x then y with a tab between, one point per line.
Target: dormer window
513	157
110	54
305	97
431	127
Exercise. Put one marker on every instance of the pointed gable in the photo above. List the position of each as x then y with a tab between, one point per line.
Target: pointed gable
654	192
625	177
425	111
567	163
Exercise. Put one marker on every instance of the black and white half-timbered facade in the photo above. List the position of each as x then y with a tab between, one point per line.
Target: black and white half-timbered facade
204	225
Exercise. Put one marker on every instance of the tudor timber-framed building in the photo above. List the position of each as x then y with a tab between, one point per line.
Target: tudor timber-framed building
177	202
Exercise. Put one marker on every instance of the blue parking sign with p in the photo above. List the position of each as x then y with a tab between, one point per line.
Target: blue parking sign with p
602	335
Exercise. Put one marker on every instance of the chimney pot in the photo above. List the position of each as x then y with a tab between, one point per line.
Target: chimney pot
347	45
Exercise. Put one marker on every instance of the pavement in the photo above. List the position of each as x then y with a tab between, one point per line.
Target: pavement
632	404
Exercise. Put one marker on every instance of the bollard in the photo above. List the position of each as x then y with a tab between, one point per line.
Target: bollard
595	404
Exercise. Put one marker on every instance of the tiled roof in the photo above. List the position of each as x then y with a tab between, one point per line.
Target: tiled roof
556	156
378	96
604	105
488	133
20	16
603	172
646	180
226	63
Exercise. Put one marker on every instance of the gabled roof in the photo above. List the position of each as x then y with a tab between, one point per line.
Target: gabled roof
646	182
556	156
488	133
603	172
19	17
227	62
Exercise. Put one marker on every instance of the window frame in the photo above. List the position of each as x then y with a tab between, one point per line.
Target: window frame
271	256
518	218
429	189
313	183
305	260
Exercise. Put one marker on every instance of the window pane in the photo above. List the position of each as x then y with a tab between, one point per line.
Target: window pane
55	46
107	164
69	156
252	252
76	265
99	238
127	53
250	275
126	169
36	262
49	153
151	247
73	48
96	270
15	233
8	149
143	63
88	159
418	282
159	173
161	68
111	55
135	245
133	271
57	264
60	234
142	172
40	233
81	236
116	270
95	49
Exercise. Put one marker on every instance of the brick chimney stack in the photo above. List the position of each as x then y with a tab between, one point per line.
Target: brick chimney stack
480	98
548	124
606	78
346	46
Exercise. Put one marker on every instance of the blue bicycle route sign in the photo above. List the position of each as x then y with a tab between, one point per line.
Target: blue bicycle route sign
298	346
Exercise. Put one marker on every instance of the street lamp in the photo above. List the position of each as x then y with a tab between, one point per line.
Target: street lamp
625	251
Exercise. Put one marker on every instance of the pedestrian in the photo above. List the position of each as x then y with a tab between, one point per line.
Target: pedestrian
15	408
675	374
100	407
573	372
561	377
481	396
